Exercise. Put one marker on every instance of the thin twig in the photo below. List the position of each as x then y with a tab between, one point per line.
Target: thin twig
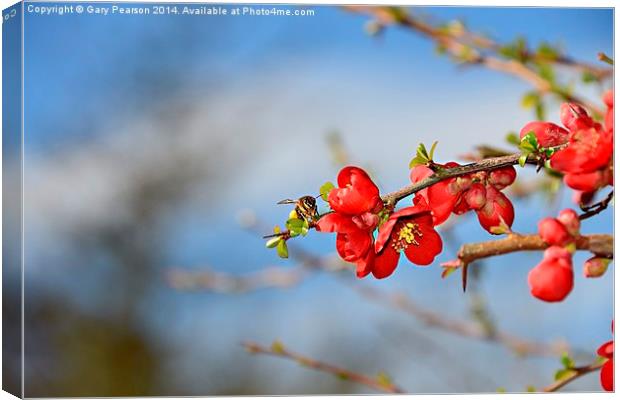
469	329
576	373
380	383
596	208
463	51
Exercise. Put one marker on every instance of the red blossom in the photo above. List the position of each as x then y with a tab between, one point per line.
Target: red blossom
356	193
548	134
552	279
354	202
497	212
588	150
479	191
575	117
595	267
607	372
409	230
553	232
570	219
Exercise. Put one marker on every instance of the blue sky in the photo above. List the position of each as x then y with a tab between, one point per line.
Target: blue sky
106	96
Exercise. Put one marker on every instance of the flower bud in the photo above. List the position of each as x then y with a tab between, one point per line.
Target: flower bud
503	177
547	133
553	232
569	218
476	196
552	279
575	117
586	182
595	267
497	212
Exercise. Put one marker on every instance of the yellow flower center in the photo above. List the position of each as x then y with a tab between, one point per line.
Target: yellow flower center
406	236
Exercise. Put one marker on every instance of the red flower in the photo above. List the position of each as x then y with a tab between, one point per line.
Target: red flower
479	191
497	211
595	267
575	117
588	150
607	372
569	218
409	230
356	193
354	204
553	232
548	134
552	279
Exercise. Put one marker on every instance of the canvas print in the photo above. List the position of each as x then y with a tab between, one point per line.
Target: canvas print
209	199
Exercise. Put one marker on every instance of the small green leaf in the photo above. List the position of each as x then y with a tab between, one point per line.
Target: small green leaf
417	161
325	189
540	111
501	390
384	379
588	77
282	249
563	373
531	388
447	272
295	226
513	138
422	151
522	160
276	229
567	361
273	242
432	152
277	347
530	99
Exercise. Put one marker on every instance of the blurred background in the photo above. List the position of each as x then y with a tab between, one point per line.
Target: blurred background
158	146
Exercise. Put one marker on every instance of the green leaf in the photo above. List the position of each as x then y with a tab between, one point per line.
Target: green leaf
513	138
282	249
522	160
588	77
546	72
277	347
384	379
547	51
501	390
540	111
529	143
422	151
295	226
417	161
567	361
325	189
563	373
531	388
273	242
530	99
432	152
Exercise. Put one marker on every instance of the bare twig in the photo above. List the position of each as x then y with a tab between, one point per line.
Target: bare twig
596	208
469	329
381	382
461	45
575	373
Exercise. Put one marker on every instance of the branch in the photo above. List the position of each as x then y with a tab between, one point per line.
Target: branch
458	45
600	244
596	208
468	329
380	383
577	372
487	164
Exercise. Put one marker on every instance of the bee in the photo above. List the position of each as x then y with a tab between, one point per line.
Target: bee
305	208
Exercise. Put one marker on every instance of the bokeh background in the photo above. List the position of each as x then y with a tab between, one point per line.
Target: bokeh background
151	142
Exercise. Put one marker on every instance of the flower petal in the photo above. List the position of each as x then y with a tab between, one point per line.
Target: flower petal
430	243
353	246
385	263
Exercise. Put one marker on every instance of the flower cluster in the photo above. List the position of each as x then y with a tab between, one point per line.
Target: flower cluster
552	279
607	372
479	191
358	211
586	160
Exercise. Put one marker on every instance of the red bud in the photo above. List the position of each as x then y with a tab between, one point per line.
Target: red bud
547	133
575	117
553	232
552	279
503	177
569	218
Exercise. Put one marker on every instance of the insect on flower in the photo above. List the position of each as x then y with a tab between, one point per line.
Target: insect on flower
305	208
